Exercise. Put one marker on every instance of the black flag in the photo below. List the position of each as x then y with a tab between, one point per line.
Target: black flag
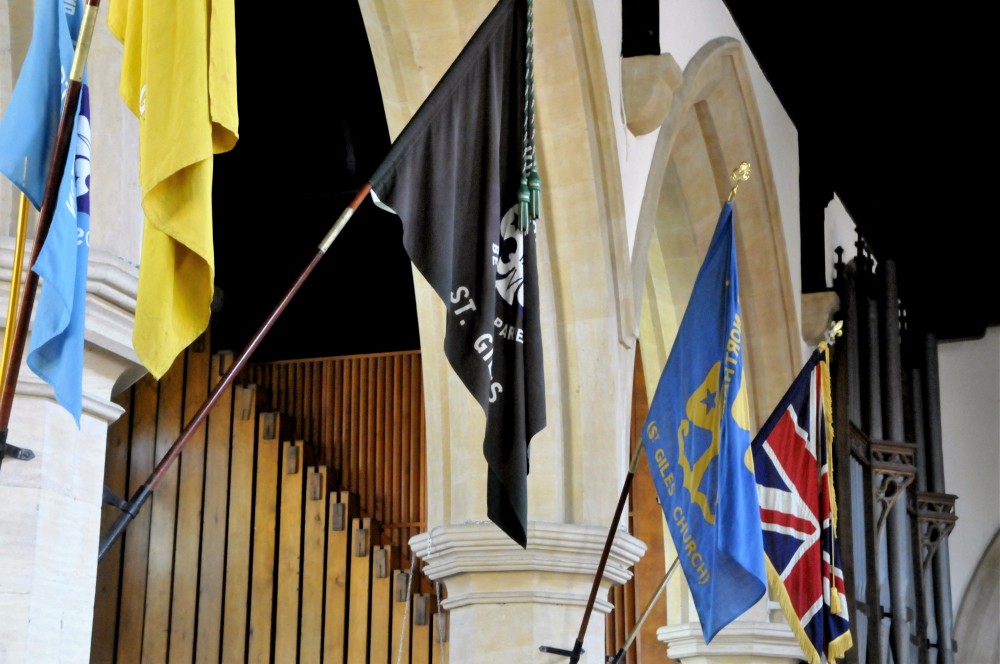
452	176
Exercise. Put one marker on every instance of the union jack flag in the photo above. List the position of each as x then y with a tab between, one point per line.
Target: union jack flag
798	513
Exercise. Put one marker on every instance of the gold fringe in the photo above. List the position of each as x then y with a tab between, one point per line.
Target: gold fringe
839	646
778	588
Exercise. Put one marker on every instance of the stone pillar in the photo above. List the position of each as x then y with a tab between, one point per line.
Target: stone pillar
504	603
51	505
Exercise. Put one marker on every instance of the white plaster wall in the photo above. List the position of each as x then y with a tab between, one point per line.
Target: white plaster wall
969	374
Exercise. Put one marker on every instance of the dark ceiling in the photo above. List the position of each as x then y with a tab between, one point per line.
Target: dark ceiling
890	110
891	105
312	131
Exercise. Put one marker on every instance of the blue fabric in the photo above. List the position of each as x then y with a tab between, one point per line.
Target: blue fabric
27	139
697	437
56	349
31	119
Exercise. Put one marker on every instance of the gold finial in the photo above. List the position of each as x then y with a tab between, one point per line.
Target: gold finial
836	330
741	174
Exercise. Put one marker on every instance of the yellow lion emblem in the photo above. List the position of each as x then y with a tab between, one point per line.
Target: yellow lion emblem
703	411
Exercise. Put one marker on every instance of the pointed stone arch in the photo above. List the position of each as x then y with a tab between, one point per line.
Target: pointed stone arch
714	125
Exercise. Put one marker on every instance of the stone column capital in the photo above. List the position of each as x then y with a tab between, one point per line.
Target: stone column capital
481	565
741	640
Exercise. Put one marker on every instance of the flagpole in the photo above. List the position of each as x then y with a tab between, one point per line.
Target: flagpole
49	201
131	507
574	655
15	283
645	614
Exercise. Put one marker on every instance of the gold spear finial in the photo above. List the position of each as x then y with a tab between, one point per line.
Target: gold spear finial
741	174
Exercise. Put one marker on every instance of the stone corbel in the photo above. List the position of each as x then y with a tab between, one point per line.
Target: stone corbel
648	84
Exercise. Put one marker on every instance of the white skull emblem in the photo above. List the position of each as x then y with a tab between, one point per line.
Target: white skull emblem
510	259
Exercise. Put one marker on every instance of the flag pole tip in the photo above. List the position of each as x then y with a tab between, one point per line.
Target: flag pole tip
740	174
836	330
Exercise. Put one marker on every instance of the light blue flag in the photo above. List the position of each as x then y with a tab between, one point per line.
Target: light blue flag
697	440
31	119
27	139
55	353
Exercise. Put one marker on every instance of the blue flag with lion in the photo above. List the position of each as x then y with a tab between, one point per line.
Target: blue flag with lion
697	440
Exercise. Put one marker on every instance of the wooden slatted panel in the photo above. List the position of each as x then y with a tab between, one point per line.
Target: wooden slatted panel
370	431
383	562
423	608
417	516
359	590
401	614
163	517
366	389
289	555
343	459
213	534
102	642
394	463
439	638
378	442
132	607
320	403
239	526
265	524
353	435
377	486
190	487
313	566
343	511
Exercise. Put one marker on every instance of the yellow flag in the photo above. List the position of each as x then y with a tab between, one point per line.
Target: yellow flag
179	77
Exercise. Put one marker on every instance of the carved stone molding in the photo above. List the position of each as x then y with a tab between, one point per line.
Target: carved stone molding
756	641
480	564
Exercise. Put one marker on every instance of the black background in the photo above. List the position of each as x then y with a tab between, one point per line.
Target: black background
891	109
312	131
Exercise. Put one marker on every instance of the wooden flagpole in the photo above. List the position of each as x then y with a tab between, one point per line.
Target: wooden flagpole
574	655
131	507
45	213
645	614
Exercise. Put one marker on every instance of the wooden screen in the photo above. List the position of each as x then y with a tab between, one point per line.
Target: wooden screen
264	542
362	416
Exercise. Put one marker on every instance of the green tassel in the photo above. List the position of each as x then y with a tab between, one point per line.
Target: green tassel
535	187
524	204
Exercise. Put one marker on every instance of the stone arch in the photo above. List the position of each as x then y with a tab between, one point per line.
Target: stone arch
977	639
713	125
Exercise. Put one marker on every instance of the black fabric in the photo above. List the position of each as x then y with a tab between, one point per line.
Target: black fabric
452	177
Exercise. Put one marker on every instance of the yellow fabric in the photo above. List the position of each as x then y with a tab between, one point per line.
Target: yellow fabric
179	77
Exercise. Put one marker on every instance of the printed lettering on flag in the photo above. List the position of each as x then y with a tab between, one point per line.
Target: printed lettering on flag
452	177
697	438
